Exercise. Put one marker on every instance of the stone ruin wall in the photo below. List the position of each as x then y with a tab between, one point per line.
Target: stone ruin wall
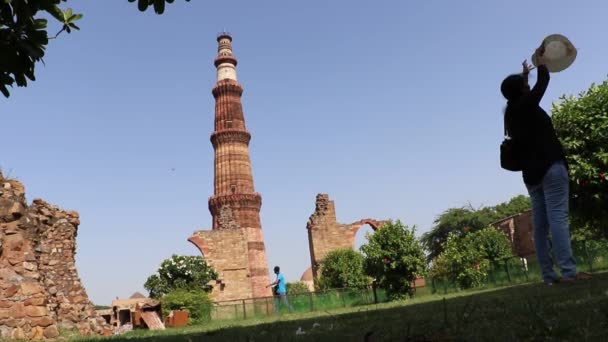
325	234
519	229
39	285
226	252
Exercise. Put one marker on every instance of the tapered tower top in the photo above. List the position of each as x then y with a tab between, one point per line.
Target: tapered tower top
225	62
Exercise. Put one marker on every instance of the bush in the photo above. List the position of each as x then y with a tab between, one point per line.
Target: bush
297	288
394	257
180	272
342	268
581	124
466	260
197	302
461	262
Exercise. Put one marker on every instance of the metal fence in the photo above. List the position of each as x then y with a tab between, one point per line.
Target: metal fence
298	303
590	257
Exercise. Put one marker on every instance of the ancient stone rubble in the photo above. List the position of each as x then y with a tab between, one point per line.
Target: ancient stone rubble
41	292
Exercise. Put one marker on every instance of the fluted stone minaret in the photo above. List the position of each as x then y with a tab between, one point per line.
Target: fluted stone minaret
234	205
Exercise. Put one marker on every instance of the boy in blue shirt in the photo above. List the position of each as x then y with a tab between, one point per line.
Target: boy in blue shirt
279	289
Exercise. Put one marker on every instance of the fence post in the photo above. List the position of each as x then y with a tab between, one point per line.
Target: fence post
433	287
311	301
507	269
267	311
342	295
236	311
375	293
244	310
589	258
525	268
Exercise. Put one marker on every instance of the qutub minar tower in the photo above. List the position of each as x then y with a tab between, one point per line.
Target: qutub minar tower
235	245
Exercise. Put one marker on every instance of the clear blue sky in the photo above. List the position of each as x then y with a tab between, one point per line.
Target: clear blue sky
391	107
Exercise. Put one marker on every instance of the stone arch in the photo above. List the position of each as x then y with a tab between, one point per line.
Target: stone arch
325	234
356	226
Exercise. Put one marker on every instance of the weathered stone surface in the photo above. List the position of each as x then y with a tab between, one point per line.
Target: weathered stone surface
4	313
38	275
42	322
35	301
51	332
325	234
17	310
37	333
18	334
519	230
36	311
11	291
31	288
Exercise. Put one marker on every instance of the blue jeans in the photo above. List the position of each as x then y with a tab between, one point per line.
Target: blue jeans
277	302
550	214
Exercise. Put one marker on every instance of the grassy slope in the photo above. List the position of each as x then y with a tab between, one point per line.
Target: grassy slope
565	312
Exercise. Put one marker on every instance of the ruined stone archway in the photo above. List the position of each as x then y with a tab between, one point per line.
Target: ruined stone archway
325	234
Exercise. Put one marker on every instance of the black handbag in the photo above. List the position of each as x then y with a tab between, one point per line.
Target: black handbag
510	153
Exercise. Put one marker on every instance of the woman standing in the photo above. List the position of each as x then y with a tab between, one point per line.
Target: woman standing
544	168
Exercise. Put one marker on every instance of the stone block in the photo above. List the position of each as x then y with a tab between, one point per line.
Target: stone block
30	288
51	332
37	333
36	311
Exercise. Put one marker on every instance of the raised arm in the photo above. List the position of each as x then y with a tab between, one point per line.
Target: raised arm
542	80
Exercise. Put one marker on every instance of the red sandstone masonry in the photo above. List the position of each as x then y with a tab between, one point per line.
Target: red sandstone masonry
235	245
40	288
325	234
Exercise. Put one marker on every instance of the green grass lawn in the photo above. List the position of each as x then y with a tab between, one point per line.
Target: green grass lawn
533	312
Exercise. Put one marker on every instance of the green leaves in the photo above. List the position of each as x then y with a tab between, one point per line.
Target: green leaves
581	123
466	260
459	221
297	288
343	268
180	272
394	257
159	5
197	302
24	37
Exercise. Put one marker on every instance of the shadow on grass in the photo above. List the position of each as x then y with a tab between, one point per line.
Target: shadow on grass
573	312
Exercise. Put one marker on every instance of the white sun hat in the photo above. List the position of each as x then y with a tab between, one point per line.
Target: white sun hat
559	53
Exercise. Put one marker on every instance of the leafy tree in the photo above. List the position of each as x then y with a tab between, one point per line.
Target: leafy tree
394	257
196	301
342	268
461	262
466	259
297	288
180	272
24	36
459	221
492	244
582	126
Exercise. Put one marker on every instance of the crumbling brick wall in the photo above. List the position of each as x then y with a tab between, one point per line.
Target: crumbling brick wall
519	229
41	290
325	234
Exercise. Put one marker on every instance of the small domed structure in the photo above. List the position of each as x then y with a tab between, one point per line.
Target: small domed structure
308	279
